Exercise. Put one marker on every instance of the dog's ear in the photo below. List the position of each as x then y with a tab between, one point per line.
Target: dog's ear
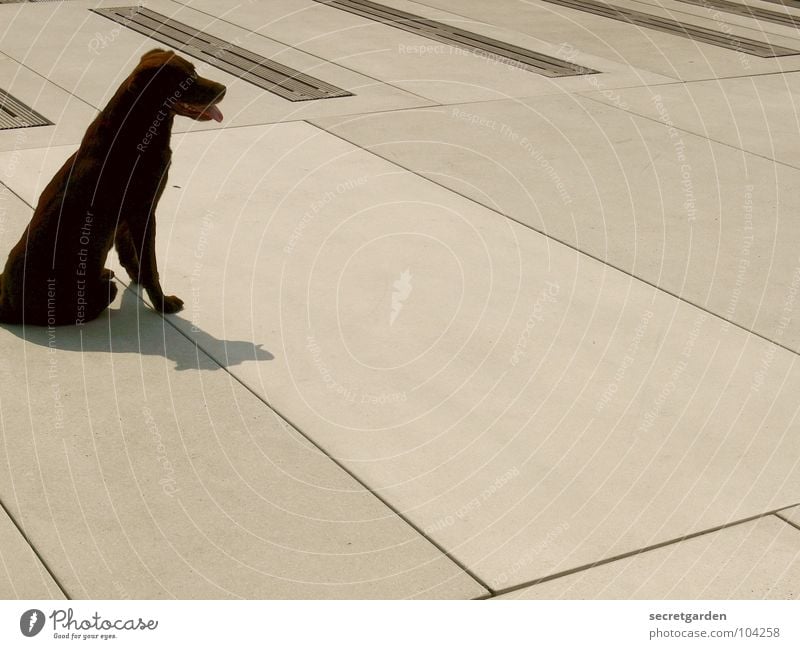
156	57
156	50
149	64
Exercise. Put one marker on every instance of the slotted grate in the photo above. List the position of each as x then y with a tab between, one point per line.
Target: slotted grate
750	12
676	28
786	3
262	72
15	114
481	45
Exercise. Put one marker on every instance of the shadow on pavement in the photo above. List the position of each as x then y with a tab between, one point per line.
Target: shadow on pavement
134	328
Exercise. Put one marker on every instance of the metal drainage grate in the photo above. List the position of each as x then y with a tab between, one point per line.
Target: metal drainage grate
15	114
476	43
786	3
676	28
749	12
269	75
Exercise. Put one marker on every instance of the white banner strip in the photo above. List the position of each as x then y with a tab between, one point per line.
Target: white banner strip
400	625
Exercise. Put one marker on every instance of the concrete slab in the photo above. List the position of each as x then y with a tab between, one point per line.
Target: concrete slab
791	516
530	408
647	49
758	113
719	21
14	216
140	469
755	560
93	55
22	575
420	65
685	11
67	112
709	223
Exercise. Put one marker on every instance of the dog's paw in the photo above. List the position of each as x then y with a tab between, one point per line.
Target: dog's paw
171	304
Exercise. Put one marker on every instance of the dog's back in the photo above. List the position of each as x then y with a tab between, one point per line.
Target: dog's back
44	269
106	194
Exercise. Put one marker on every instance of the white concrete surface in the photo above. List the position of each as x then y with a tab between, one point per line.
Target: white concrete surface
657	52
416	64
22	575
717	18
791	515
525	397
757	113
141	469
97	54
701	220
148	473
755	560
397	290
69	114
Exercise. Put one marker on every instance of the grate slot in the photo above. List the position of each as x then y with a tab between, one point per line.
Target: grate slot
262	72
676	28
786	3
747	11
15	114
481	45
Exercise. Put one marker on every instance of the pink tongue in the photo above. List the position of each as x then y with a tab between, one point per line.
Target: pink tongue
214	113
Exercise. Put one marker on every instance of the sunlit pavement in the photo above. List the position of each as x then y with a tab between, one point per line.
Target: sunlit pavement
470	330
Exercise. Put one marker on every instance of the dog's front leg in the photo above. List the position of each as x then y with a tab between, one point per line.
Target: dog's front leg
148	268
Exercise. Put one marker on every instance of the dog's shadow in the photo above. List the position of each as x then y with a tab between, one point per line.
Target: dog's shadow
135	328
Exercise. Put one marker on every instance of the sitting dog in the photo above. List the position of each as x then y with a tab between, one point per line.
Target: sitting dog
106	194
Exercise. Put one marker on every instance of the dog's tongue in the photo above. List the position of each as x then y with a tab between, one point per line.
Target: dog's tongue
213	112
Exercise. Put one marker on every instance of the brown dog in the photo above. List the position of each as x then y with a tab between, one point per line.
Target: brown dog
106	194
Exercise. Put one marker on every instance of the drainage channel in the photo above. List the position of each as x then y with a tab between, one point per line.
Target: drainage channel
676	28
483	46
15	114
786	3
264	73
750	12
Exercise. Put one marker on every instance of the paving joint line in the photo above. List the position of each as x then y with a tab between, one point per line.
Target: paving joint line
786	520
13	193
490	592
319	447
516	31
290	47
686	12
742	76
478	21
630	111
50	81
27	540
564	243
306	436
633	553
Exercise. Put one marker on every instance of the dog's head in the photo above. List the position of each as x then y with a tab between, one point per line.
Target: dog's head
174	82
